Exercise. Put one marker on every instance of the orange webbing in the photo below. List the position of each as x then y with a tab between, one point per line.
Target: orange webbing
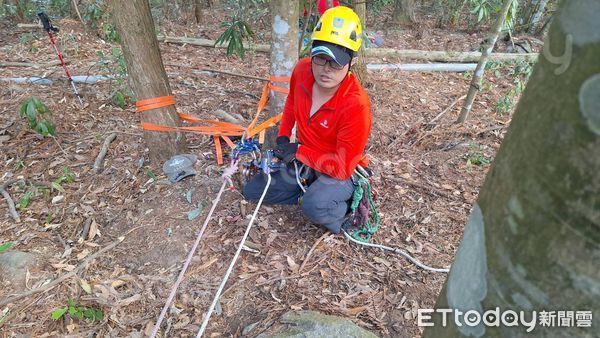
262	103
219	151
217	129
157	102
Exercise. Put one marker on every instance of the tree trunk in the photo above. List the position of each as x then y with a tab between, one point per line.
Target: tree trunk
526	11
147	75
535	20
20	9
284	54
360	68
404	12
198	11
532	242
478	75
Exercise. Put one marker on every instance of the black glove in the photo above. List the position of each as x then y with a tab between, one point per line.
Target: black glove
282	140
286	151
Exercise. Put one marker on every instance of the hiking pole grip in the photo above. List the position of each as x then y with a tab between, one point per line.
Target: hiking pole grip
46	22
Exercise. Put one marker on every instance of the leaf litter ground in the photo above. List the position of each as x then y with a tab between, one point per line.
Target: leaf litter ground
425	185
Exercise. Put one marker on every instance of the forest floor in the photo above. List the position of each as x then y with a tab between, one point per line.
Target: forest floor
427	177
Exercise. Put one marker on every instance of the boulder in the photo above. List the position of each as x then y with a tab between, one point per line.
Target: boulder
312	324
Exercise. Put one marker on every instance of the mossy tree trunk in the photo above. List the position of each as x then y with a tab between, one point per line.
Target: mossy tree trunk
533	238
284	54
147	75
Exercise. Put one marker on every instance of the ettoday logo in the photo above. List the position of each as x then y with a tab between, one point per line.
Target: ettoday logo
508	318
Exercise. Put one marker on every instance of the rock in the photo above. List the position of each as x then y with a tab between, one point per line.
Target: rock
312	324
14	266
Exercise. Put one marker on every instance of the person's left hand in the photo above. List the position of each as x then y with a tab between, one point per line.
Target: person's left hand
286	152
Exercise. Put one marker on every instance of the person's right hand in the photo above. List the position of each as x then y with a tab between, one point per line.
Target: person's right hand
282	140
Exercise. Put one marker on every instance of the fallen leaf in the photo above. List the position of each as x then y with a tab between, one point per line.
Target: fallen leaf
85	286
293	266
419	246
149	328
103	294
55	163
207	264
355	311
184	320
83	254
127	301
61	266
382	261
93	231
71	328
195	213
116	283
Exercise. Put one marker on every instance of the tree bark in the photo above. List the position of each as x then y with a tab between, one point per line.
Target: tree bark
404	12
360	68
478	75
532	242
535	19
147	75
198	11
284	54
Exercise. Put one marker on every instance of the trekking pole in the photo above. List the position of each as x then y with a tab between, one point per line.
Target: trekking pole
49	29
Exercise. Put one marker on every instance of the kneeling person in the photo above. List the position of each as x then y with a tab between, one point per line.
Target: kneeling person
333	117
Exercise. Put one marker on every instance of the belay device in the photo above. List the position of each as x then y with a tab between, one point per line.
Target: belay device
49	29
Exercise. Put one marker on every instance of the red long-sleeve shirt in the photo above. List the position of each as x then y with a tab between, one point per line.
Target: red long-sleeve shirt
333	140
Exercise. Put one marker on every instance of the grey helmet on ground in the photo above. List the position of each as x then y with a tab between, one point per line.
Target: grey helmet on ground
179	167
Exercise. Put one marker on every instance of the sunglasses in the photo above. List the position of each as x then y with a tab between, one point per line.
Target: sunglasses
321	61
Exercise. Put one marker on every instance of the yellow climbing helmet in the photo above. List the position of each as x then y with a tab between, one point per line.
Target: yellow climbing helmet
341	26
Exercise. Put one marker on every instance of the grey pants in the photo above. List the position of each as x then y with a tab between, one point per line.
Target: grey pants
325	202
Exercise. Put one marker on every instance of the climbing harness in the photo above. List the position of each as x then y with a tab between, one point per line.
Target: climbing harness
49	28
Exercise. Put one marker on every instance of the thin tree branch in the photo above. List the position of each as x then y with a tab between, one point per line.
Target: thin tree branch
98	166
9	200
311	251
